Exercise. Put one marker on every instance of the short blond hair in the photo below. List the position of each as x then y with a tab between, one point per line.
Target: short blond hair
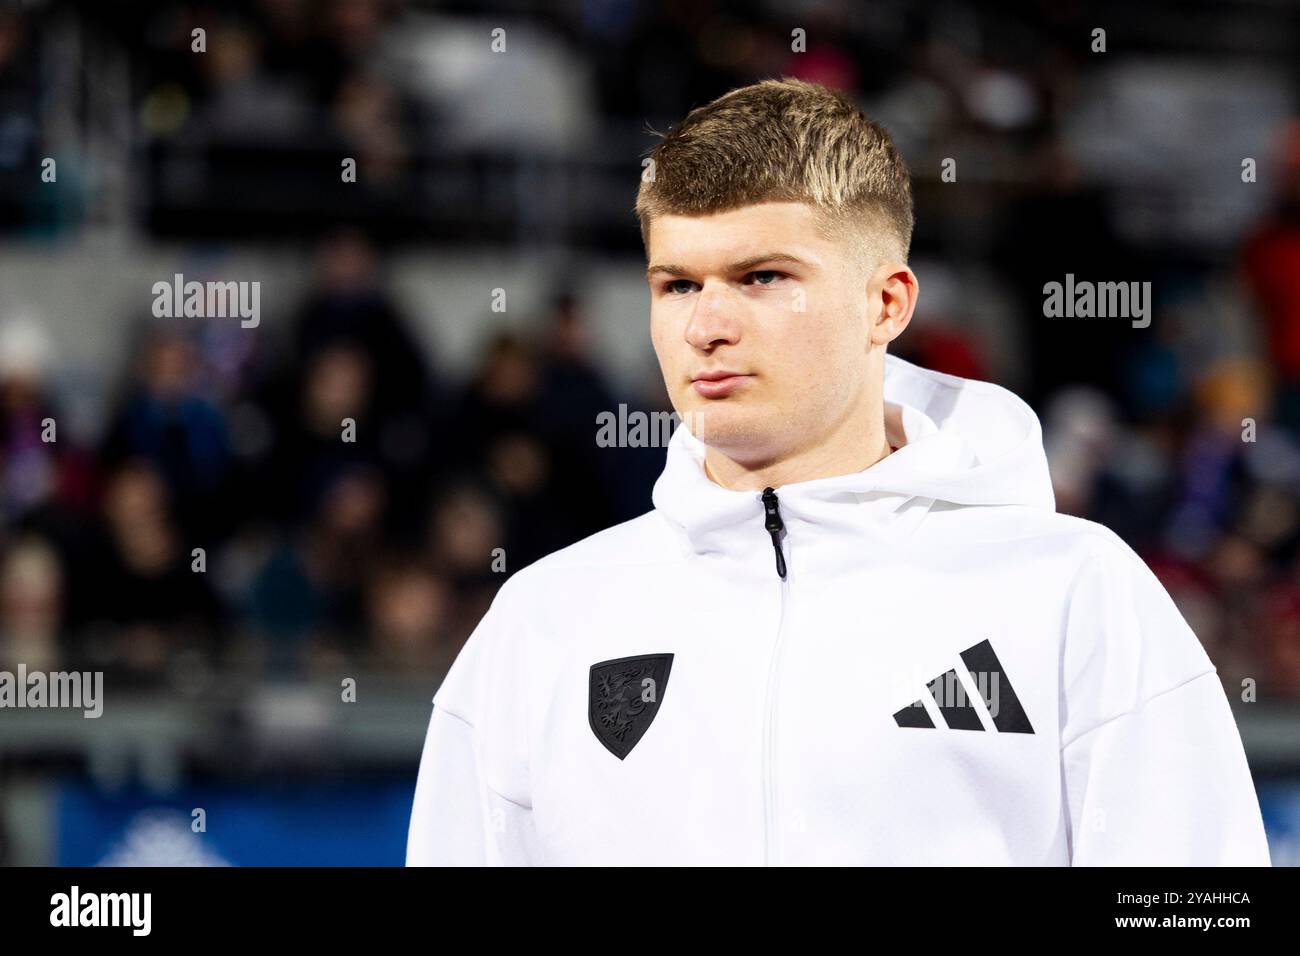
784	140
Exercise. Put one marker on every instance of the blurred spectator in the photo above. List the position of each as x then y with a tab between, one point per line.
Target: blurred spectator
31	599
144	594
348	304
572	392
309	597
1059	204
408	608
167	420
1271	260
327	430
44	476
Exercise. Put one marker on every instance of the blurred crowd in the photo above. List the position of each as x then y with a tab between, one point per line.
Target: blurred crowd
1184	438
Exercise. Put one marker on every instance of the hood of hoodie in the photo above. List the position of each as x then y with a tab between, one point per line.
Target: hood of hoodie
967	443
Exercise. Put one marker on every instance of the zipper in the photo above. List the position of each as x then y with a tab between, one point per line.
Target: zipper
774	526
772	522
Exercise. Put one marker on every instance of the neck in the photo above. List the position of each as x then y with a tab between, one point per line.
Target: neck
856	443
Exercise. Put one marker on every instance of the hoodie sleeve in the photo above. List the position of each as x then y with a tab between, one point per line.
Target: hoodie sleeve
1152	762
471	804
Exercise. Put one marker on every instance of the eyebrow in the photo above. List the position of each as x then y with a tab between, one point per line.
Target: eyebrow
742	266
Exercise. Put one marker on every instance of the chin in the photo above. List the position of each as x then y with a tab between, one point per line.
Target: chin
726	428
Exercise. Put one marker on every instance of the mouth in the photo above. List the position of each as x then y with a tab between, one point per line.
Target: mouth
719	383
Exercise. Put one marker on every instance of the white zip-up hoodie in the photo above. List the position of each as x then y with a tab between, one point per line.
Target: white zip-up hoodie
949	672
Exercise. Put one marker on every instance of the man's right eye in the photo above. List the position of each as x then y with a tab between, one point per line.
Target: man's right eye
675	286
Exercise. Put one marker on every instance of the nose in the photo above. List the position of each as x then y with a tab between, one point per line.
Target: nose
713	322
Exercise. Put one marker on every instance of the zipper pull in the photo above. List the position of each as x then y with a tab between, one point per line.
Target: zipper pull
772	522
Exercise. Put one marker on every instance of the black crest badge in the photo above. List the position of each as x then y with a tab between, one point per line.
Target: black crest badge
624	698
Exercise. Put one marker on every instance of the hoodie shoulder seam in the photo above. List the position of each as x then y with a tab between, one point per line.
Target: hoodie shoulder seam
482	777
451	713
1139	708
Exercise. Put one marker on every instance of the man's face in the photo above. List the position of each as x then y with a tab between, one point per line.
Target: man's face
759	292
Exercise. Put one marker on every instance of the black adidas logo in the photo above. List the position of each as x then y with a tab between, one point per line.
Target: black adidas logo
958	710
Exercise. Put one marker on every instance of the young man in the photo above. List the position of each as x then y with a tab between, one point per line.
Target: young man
853	630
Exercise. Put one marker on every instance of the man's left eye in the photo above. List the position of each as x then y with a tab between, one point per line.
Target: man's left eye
765	276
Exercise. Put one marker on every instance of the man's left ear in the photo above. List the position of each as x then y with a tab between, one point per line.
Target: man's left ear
895	302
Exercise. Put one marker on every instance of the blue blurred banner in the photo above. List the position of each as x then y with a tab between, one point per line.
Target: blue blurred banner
338	825
305	825
1280	804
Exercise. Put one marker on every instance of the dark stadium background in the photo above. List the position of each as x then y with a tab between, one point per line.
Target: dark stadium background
481	171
